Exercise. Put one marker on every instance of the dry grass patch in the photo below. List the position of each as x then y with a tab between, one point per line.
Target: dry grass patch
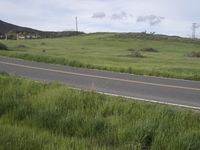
194	54
20	46
149	49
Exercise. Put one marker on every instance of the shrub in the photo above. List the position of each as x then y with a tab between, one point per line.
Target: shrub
3	47
194	54
137	54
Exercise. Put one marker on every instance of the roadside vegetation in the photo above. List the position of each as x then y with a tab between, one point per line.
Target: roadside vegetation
154	55
51	116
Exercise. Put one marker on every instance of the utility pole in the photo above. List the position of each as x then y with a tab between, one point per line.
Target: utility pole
77	24
194	26
6	37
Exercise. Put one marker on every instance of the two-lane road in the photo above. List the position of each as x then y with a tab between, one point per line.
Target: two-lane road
155	89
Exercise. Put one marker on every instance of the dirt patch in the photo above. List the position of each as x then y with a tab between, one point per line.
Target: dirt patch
132	50
21	46
149	49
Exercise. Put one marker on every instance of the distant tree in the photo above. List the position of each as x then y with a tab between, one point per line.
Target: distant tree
12	35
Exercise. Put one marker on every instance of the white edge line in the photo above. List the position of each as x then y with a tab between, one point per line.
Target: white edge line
135	98
129	97
153	101
141	99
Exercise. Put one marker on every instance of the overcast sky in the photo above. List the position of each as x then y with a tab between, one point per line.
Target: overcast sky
174	17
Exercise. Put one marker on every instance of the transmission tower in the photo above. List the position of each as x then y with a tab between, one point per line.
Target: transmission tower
194	27
193	30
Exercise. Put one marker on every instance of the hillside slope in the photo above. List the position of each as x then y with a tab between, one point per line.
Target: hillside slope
8	27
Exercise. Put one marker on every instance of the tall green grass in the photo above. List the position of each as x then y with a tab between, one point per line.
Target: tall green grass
51	116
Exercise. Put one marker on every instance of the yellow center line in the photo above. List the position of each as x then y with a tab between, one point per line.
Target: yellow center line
101	77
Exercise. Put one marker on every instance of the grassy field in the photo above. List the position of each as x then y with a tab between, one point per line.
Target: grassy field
38	116
110	52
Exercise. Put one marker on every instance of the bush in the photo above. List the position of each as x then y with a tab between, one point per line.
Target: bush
137	54
194	54
3	47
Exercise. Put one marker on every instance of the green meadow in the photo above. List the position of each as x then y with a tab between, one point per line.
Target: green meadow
111	51
37	116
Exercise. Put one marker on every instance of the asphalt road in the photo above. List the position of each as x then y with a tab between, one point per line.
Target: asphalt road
162	90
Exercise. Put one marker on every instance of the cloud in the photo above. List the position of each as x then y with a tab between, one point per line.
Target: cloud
99	15
57	15
119	16
151	19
